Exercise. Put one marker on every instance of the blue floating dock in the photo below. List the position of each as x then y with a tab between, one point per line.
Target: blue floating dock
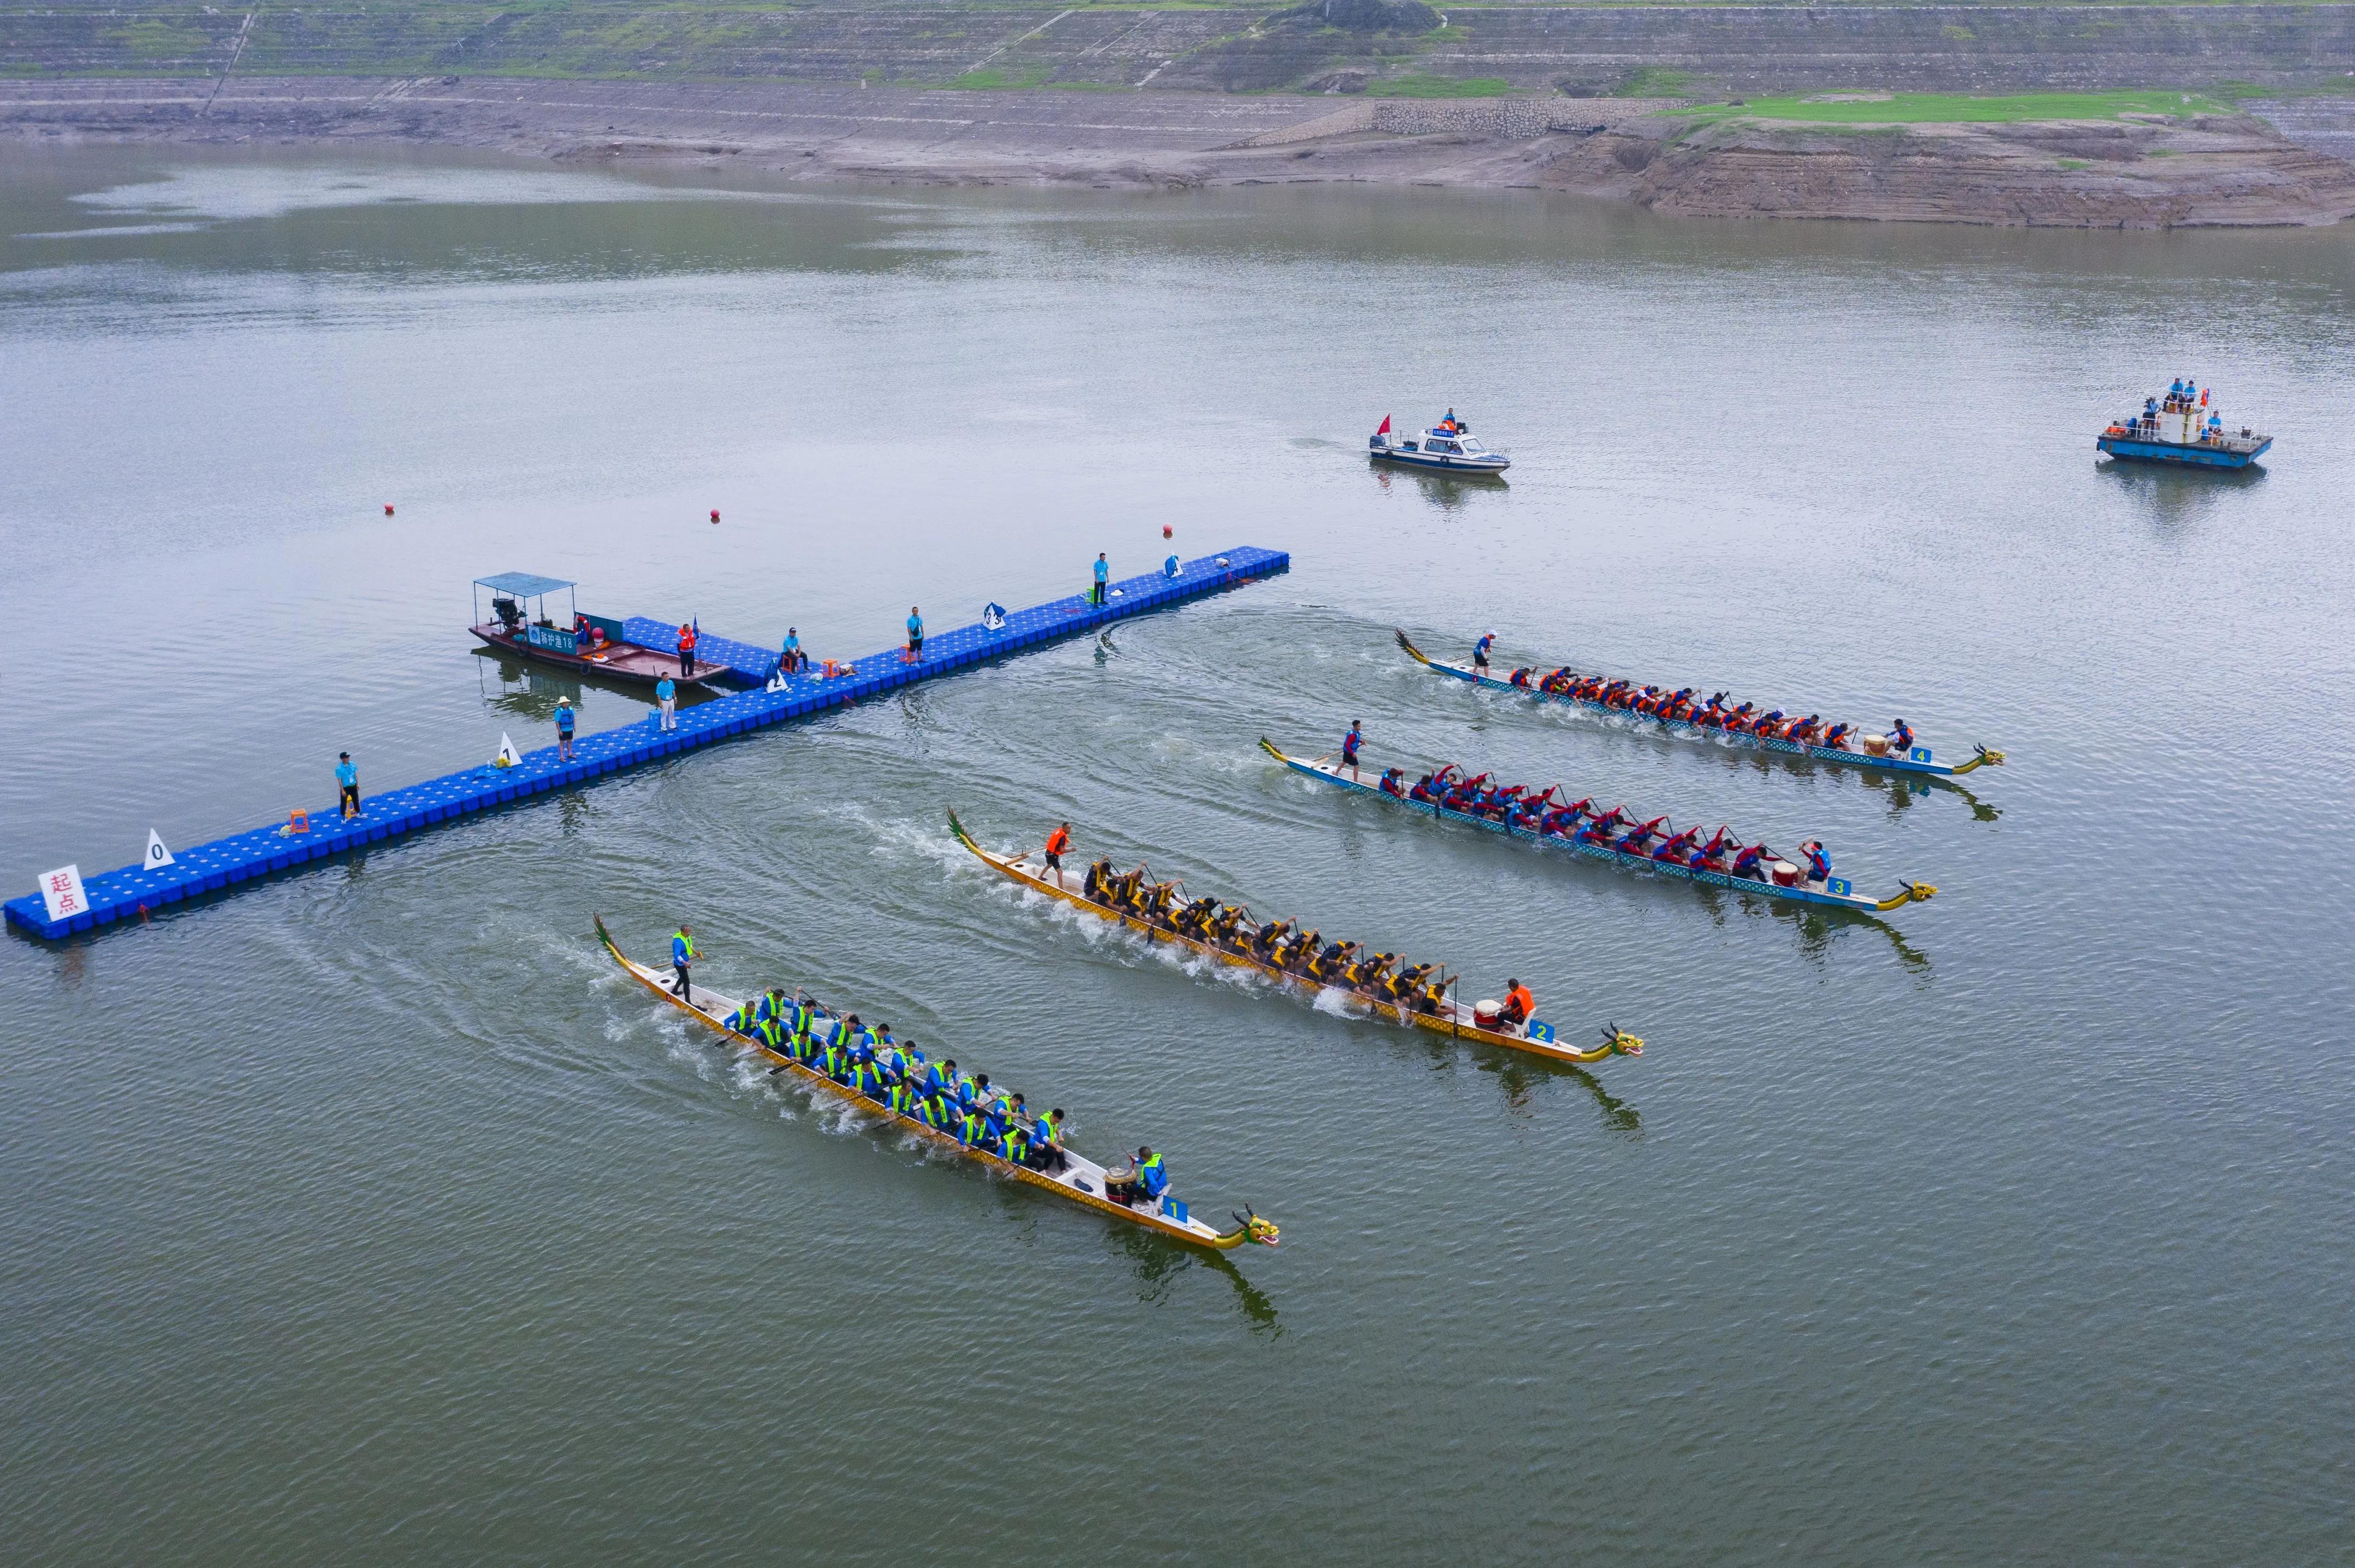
244	857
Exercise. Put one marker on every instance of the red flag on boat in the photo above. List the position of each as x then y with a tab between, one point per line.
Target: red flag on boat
1386	425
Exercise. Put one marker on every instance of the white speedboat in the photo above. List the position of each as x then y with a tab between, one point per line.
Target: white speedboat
1447	447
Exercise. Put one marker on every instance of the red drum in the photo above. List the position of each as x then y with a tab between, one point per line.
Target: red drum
1786	874
1489	1015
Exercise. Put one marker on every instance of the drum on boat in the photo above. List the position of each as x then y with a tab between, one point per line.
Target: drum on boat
1489	1015
1786	874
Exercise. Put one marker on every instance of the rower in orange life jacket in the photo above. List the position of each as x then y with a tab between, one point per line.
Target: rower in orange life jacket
1519	1003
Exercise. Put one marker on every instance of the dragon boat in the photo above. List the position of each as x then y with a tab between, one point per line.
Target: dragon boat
1451	1017
1080	1181
1837	892
1877	752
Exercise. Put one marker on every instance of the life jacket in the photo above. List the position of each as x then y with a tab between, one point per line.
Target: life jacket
1057	841
1152	1179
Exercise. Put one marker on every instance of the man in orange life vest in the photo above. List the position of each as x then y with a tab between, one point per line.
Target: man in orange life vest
686	651
1059	844
1519	1003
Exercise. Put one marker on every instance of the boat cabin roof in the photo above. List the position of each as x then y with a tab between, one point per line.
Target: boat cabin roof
523	585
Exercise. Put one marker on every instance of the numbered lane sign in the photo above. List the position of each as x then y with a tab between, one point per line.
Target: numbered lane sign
62	892
1840	887
1921	754
158	858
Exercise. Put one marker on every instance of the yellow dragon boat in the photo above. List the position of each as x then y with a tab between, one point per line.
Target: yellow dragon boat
1080	1180
1451	1017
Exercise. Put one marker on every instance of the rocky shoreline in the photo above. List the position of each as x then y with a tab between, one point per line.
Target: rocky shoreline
2149	172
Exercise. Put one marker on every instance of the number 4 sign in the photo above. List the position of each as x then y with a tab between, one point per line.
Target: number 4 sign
62	892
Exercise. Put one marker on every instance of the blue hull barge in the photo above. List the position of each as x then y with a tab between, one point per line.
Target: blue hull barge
2182	429
317	835
1837	891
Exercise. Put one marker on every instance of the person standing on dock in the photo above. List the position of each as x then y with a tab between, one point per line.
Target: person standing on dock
682	958
667	696
348	785
1349	744
564	722
1104	575
915	635
686	651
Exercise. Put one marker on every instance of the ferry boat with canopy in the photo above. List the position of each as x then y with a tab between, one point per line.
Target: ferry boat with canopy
1107	1190
1417	994
1447	447
583	644
2179	428
1613	835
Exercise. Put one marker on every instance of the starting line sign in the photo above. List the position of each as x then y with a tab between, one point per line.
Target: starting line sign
61	893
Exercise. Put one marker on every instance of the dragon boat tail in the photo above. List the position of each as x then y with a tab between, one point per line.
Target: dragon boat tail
1452	1018
1835	892
1080	1180
1917	759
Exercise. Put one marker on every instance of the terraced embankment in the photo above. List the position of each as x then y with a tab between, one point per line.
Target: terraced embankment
953	92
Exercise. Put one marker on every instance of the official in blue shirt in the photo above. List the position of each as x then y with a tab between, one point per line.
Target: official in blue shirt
564	722
666	695
347	781
915	634
1104	575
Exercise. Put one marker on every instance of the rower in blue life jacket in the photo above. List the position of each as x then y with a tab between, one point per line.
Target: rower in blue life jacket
1152	1176
971	1127
1819	864
899	1099
1901	734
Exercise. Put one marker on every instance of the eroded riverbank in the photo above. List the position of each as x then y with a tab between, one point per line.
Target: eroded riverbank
2197	170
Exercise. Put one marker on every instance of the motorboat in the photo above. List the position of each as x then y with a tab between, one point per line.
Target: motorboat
1448	447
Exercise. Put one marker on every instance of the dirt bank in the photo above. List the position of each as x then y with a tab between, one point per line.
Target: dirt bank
2212	170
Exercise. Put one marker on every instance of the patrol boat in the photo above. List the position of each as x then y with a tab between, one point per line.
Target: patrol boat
2180	428
1447	448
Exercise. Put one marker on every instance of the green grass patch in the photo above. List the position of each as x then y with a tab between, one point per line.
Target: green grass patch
2072	164
1415	85
991	79
1941	109
1655	82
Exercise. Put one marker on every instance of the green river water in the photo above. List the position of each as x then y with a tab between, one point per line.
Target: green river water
368	1215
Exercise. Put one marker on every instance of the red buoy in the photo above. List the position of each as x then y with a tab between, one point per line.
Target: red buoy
715	514
1165	530
388	509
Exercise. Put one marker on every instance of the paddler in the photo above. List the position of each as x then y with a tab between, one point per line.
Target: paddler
1394	782
1422	790
682	958
1747	864
1819	861
1047	1142
1519	1005
1901	736
1059	844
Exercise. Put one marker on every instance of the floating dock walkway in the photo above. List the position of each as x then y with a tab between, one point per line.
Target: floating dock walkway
245	857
